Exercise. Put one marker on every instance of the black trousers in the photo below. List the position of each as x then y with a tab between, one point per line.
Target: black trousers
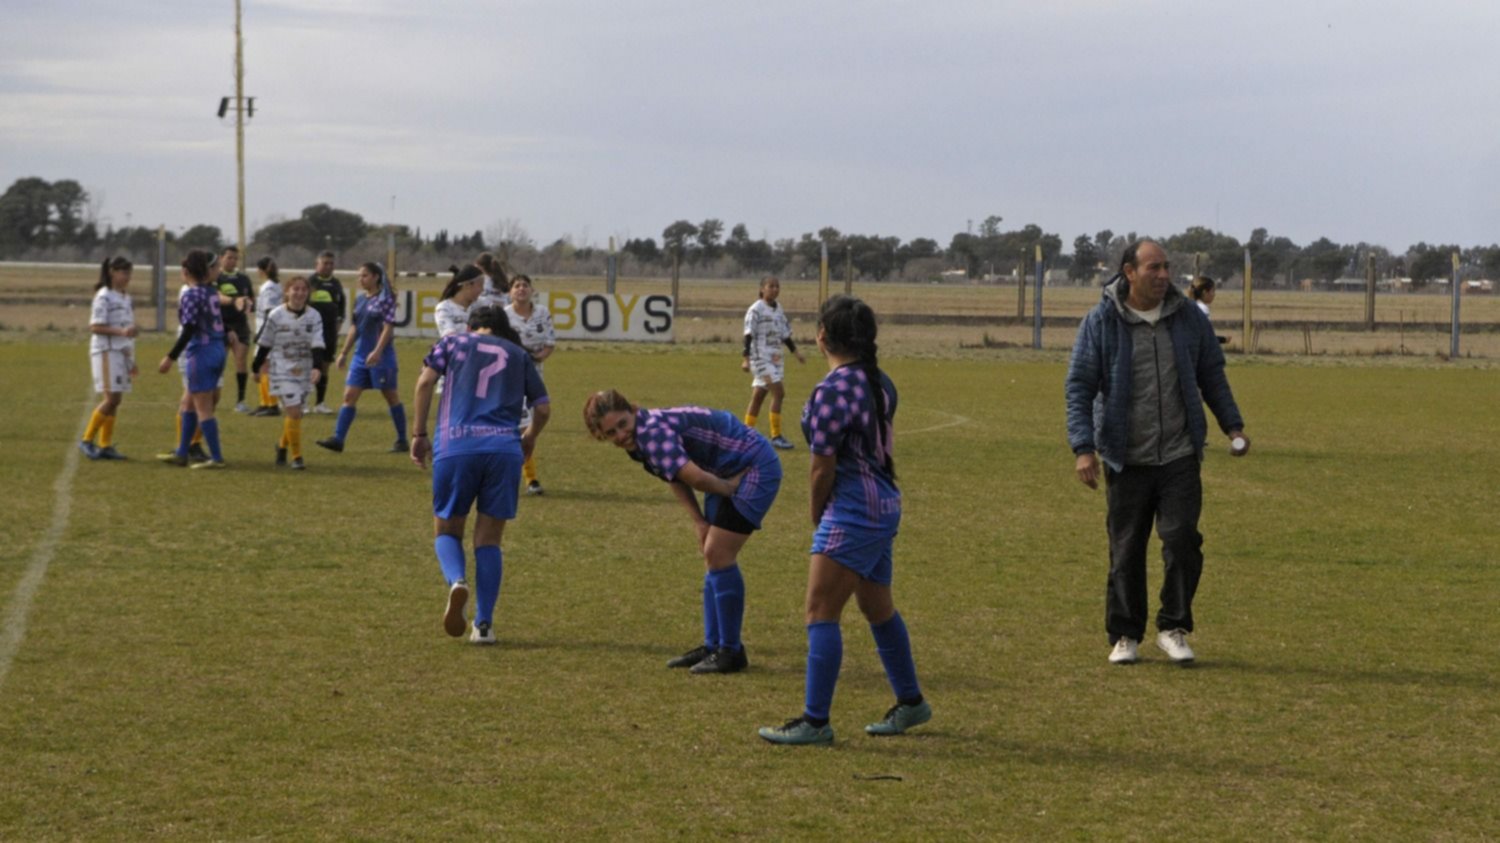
1171	496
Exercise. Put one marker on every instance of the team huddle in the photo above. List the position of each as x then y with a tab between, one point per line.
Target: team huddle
480	404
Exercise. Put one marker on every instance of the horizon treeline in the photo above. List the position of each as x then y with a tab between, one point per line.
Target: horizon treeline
41	220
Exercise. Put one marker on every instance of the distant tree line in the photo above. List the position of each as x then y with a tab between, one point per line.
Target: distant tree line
55	221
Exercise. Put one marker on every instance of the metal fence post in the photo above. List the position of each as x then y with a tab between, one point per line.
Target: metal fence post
1453	344
159	279
1036	305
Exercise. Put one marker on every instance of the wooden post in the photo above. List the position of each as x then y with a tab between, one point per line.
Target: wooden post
1453	343
1369	292
676	276
848	271
1036	309
611	268
1021	287
822	274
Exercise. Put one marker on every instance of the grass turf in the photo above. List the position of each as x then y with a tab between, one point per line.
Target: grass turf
254	653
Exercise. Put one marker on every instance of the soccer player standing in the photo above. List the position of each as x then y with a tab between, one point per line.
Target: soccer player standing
766	330
477	455
112	352
709	451
236	303
856	510
374	357
291	346
532	322
200	344
267	299
328	300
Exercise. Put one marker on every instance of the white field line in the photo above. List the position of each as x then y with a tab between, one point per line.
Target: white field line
13	626
954	420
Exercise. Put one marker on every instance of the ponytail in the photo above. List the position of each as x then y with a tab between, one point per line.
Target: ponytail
849	328
108	266
460	278
268	265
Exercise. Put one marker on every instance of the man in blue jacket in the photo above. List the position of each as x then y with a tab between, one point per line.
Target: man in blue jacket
1144	364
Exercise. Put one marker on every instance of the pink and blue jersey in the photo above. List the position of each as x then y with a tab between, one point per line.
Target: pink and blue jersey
839	420
486	380
199	307
714	440
371	315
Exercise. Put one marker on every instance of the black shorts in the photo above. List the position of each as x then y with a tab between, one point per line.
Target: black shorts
240	329
726	517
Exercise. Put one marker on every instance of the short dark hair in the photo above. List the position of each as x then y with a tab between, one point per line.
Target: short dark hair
326	253
231	248
1128	258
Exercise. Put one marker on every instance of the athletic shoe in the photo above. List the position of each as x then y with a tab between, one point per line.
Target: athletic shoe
402	446
332	443
196	454
269	410
482	634
534	488
453	616
783	443
173	458
798	732
691	657
108	452
1125	652
322	409
298	464
1173	642
901	717
241	407
723	660
211	464
89	449
281	458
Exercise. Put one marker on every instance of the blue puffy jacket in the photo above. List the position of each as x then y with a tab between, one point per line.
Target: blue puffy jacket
1098	387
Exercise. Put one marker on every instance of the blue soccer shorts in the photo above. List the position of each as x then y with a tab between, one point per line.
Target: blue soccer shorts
493	479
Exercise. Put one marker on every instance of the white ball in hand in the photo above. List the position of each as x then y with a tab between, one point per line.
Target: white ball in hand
1239	445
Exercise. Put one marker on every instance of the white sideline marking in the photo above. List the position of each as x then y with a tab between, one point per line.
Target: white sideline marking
954	421
13	630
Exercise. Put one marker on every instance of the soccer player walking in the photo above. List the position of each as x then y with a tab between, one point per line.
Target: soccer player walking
533	323
200	344
328	300
1144	363
856	510
709	451
477	456
766	330
290	347
236	303
267	299
374	365
112	352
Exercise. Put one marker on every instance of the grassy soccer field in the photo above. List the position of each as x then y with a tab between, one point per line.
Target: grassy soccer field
254	653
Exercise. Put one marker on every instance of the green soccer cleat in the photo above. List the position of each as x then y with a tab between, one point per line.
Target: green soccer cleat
798	732
901	717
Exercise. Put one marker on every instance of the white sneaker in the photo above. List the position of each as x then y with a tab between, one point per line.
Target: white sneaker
453	615
482	634
322	410
1125	652
242	407
1173	642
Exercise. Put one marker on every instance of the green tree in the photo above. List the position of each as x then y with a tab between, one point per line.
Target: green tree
1085	259
68	202
644	251
1326	260
676	237
1425	263
25	215
203	237
709	233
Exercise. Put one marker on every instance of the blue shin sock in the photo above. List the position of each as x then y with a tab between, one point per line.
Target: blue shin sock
211	438
488	567
710	614
450	555
825	653
729	600
894	646
398	418
185	436
341	427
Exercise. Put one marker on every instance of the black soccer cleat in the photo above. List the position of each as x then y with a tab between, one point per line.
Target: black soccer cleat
401	447
281	458
691	657
723	660
332	443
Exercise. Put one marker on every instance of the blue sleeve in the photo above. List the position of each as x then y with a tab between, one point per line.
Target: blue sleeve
1085	374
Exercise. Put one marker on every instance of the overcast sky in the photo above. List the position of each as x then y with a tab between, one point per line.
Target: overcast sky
1358	120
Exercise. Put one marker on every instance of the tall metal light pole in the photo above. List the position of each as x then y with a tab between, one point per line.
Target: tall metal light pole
239	123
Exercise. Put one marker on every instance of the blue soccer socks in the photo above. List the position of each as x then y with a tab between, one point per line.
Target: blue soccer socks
341	427
398	418
729	601
185	432
710	614
894	646
211	437
825	654
450	556
488	566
